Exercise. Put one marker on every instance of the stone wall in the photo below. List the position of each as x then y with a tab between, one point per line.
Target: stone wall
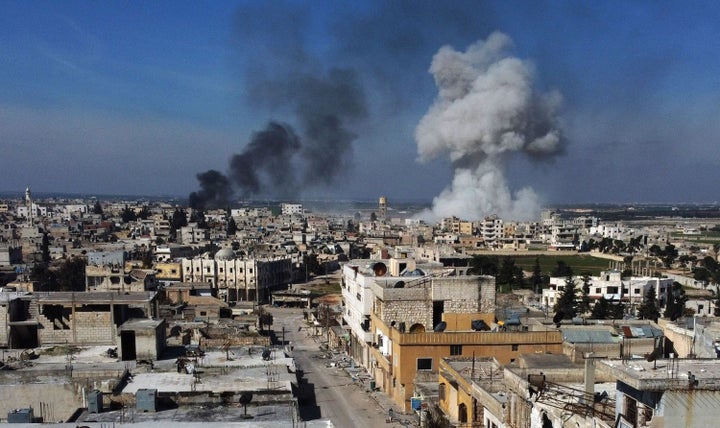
469	294
408	305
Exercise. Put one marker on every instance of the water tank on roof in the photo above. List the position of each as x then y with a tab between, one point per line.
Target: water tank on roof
379	269
146	400
95	401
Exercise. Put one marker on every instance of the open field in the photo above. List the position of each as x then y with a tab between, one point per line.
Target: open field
580	263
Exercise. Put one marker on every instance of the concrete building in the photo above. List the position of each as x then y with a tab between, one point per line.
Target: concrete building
31	320
358	276
290	209
168	273
239	279
492	231
141	339
665	392
459	308
403	325
612	286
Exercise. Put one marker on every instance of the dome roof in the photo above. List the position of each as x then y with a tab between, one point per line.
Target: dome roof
225	254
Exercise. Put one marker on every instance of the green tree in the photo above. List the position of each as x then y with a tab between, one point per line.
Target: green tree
45	277
71	275
144	213
616	310
567	300
179	219
127	215
45	248
648	310
97	208
198	216
584	305
231	228
669	254
506	274
537	280
601	309
484	265
675	307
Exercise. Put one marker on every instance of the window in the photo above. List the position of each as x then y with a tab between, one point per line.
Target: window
424	363
455	349
462	413
636	291
515	347
203	313
441	391
173	271
598	290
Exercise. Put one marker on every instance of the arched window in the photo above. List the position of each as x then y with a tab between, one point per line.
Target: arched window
462	413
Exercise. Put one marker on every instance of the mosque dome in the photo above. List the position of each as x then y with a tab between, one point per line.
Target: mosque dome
225	254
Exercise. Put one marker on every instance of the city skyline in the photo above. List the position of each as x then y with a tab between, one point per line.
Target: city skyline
107	99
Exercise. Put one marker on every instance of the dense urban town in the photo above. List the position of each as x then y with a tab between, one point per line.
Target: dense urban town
147	312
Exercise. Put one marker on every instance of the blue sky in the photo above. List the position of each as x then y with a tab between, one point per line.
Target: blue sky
138	97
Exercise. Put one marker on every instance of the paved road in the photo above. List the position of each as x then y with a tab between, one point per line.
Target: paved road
325	392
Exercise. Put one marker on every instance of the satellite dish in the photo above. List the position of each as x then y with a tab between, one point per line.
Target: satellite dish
440	327
245	398
380	269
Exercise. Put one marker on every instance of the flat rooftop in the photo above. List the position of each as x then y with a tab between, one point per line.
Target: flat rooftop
664	374
95	297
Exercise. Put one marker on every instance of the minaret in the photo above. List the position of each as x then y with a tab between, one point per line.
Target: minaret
382	208
29	205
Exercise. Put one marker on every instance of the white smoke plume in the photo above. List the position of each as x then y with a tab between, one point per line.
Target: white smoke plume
486	108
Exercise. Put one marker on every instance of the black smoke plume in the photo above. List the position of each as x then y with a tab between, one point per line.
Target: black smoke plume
322	103
214	192
267	162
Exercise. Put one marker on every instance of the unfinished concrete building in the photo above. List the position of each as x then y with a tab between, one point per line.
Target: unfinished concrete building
32	320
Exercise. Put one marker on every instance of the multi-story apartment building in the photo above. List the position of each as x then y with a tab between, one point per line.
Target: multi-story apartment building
404	316
289	209
491	229
612	286
238	279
